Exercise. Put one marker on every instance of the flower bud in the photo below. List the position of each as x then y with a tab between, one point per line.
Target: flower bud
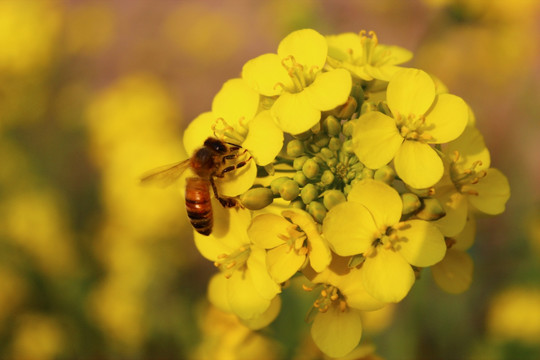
411	203
367	173
348	108
317	210
383	107
332	198
276	184
367	107
297	204
347	128
321	139
334	144
299	162
300	178
432	210
327	177
358	93
295	148
257	198
347	147
326	153
311	169
309	193
289	190
385	174
332	126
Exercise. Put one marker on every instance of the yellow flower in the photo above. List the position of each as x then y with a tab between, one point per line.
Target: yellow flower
337	325
419	117
364	57
234	118
244	286
295	74
289	243
368	224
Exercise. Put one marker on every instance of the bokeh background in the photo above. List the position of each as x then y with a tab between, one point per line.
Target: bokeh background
94	93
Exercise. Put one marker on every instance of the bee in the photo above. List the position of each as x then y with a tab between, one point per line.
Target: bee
208	162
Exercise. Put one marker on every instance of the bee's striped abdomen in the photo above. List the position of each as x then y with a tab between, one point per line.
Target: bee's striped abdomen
199	205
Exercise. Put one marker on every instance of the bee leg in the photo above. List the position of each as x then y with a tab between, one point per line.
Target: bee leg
227	202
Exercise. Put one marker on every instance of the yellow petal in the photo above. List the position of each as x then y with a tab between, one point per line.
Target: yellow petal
447	119
264	73
456	207
329	90
418	165
465	238
357	297
283	262
266	317
245	301
294	113
376	139
382	201
420	243
387	276
258	273
393	54
198	131
235	101
337	332
238	181
410	91
493	192
265	230
454	273
342	46
471	148
307	46
264	140
217	292
344	238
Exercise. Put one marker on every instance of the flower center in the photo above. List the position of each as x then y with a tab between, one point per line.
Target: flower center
300	76
330	296
463	178
224	131
229	263
412	127
295	240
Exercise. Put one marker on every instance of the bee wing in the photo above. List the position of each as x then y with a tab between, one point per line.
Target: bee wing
166	175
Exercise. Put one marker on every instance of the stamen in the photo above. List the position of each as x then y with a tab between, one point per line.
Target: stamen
306	288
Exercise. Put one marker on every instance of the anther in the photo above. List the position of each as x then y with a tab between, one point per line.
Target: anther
306	288
231	265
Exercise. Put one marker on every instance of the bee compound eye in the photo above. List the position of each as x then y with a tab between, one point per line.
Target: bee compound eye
216	145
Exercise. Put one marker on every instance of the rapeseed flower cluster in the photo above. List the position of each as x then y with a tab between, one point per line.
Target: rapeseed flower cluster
359	173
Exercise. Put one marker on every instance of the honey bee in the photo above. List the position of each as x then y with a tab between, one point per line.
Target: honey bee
207	162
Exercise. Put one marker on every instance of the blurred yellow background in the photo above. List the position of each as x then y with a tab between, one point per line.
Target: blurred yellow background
94	93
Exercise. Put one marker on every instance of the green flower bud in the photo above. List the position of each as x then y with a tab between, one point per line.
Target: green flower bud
347	128
348	108
295	148
367	107
300	178
332	162
317	210
257	198
309	193
326	153
385	174
276	184
289	190
423	193
347	147
327	177
432	210
334	144
383	107
346	189
356	260
314	148
358	93
311	169
332	198
321	139
332	126
299	162
297	204
367	173
411	203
